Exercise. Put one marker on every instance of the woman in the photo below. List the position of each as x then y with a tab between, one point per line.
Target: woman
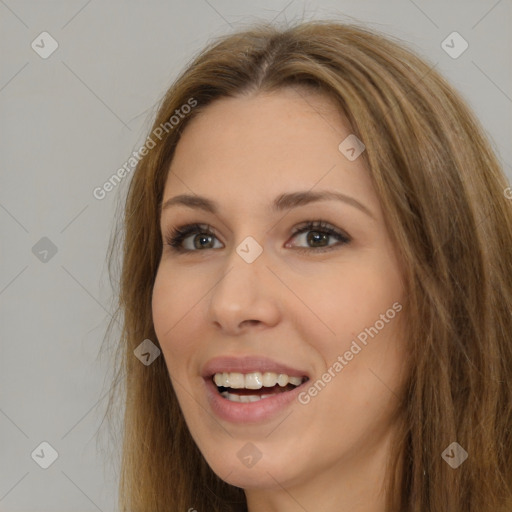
343	339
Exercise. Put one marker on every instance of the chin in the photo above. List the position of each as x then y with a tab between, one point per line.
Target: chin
242	471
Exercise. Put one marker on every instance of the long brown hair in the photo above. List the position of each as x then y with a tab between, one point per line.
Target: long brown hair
442	192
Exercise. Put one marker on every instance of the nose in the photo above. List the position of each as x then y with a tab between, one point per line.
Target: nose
246	294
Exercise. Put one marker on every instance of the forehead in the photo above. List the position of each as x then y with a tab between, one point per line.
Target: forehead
256	147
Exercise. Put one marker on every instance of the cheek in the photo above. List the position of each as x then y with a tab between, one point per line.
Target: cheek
173	304
345	300
358	319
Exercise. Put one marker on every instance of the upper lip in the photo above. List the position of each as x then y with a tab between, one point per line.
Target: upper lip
248	364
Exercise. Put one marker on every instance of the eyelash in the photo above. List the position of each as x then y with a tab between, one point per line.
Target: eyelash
177	235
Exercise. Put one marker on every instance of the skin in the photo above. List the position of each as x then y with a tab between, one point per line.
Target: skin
303	309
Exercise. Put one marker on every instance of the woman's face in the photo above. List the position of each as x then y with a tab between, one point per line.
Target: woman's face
257	299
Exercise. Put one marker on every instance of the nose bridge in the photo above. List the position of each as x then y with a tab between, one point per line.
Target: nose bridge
241	277
244	292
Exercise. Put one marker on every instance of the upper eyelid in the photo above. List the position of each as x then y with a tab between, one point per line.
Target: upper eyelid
309	224
316	224
194	228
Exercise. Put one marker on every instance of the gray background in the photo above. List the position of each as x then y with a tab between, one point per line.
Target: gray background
68	122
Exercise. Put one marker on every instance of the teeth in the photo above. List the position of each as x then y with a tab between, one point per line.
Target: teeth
269	379
243	398
254	380
296	381
236	380
282	380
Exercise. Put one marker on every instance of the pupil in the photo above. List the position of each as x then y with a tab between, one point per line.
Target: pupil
199	239
315	236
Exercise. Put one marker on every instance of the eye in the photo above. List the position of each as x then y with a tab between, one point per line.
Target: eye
194	237
317	233
202	239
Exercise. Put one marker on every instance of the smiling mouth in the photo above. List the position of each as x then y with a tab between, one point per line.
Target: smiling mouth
254	386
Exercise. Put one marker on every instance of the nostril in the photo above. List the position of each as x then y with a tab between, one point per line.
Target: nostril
250	322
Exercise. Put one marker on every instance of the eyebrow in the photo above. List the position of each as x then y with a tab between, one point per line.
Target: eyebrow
283	202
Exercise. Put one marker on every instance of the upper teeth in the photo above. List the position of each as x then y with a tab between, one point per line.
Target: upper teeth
254	380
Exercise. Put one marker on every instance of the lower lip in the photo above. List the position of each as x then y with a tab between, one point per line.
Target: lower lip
251	412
